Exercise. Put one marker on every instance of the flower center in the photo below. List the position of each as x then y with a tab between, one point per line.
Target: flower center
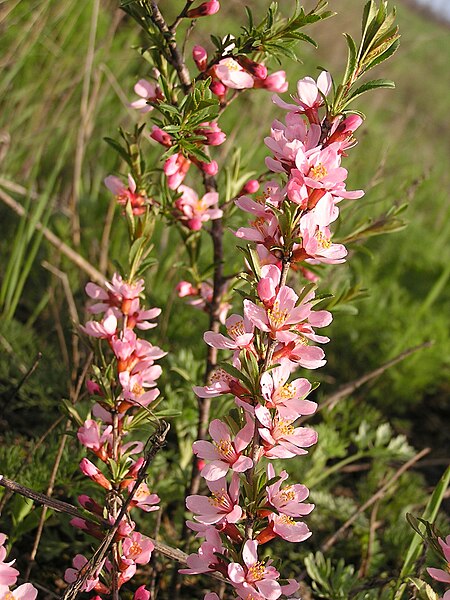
285	428
135	550
137	390
322	240
220	375
286	520
8	596
256	571
276	316
287	494
286	391
259	224
236	330
225	448
318	172
219	499
231	64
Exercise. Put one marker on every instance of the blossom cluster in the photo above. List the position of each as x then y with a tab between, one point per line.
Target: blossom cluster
8	578
131	385
248	503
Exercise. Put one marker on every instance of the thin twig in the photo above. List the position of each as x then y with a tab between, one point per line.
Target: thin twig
155	443
71	254
26	376
348	388
377	496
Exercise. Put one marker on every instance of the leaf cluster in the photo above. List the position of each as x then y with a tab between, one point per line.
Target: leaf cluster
275	35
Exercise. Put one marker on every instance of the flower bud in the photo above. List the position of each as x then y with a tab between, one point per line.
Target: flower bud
91	471
200	57
218	89
250	187
275	82
204	10
161	136
211	168
256	69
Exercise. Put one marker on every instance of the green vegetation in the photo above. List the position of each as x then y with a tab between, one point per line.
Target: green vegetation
68	70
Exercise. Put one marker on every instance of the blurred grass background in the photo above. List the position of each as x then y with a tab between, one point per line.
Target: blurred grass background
68	68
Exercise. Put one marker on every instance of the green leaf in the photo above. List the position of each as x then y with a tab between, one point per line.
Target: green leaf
370	85
351	59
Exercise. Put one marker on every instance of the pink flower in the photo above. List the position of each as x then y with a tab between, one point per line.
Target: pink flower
160	136
141	593
287	500
255	579
288	399
279	317
205	559
221	507
8	574
309	96
175	168
440	574
148	92
232	75
26	591
224	453
138	548
72	574
256	69
124	194
240	330
212	132
91	471
90	436
143	498
280	438
195	211
104	329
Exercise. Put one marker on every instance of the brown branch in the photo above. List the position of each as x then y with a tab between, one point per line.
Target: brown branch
71	254
176	58
377	496
57	505
155	443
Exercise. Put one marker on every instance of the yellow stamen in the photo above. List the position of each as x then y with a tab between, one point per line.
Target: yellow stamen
322	240
225	448
257	571
236	330
318	172
276	316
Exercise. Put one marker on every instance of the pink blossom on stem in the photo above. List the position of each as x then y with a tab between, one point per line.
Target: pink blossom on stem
240	331
200	57
141	593
440	574
78	564
280	438
8	574
124	194
221	507
274	82
148	92
287	398
175	168
91	471
232	75
138	548
289	499
90	436
26	591
204	10
195	211
143	498
205	559
256	578
225	452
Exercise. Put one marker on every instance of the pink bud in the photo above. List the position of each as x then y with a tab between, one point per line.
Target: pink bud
275	82
256	69
200	57
141	594
194	224
211	168
213	134
218	88
93	388
204	10
161	136
91	471
250	187
184	288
